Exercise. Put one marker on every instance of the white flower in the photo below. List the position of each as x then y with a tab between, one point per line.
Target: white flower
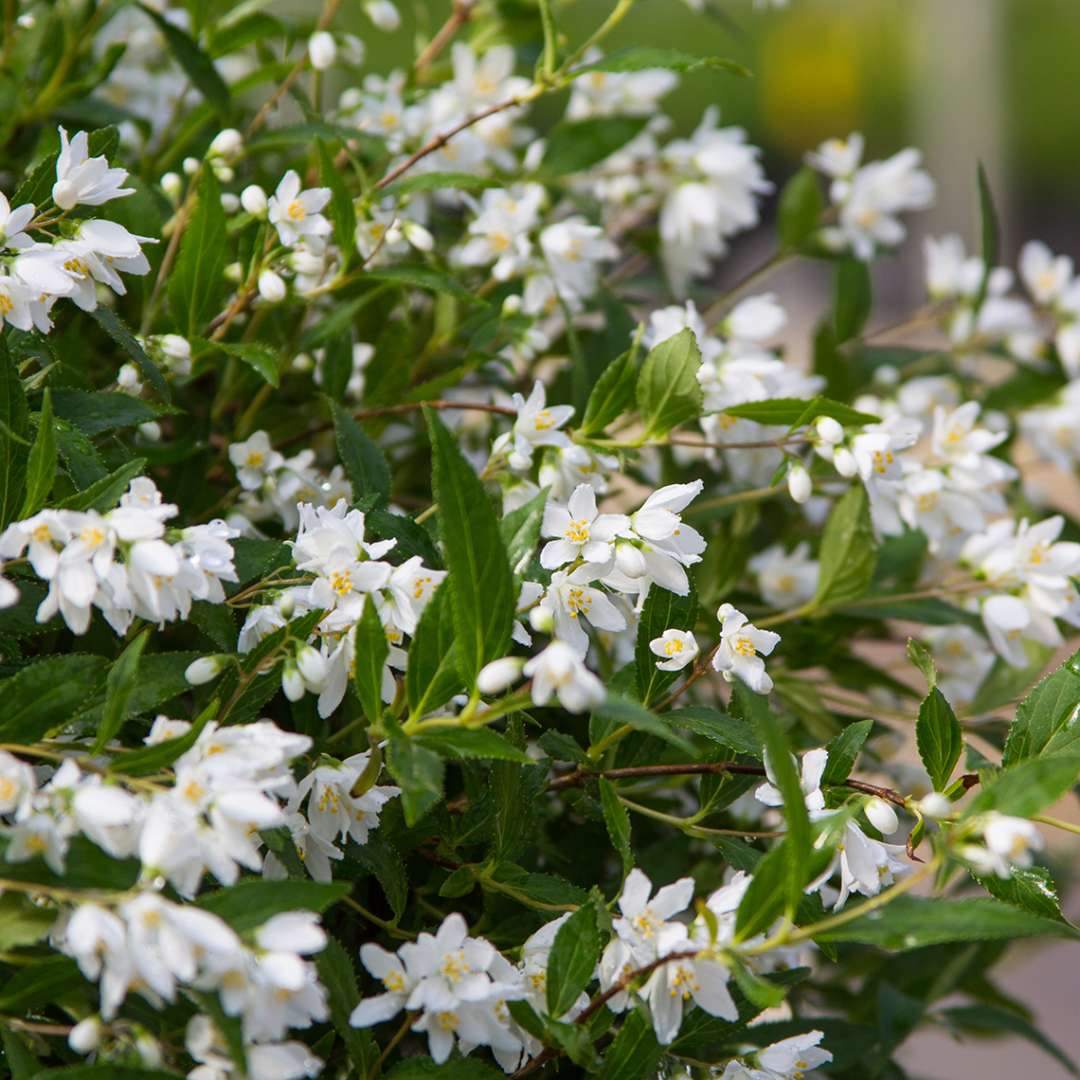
1046	276
81	179
322	49
295	213
573	250
12	223
866	865
581	532
17	785
1009	842
272	287
390	970
838	158
737	653
536	424
499	675
572	600
813	767
559	670
791	1058
333	811
786	579
254	460
383	14
677	647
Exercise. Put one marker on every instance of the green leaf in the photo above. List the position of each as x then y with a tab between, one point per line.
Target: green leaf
990	1020
22	922
1048	719
1029	887
851	306
668	392
197	281
379	857
105	1072
662	610
42	982
96	413
989	234
13	426
921	657
365	465
45	694
412	539
612	395
722	728
848	550
337	974
423	1068
914	923
1028	787
575	145
793	412
645	57
617	820
465	743
259	357
534	889
342	210
372	649
41	464
939	738
105	493
118	330
20	1062
573	959
617	710
521	531
635	1053
119	686
799	209
250	903
423	277
432	677
439	181
844	750
419	772
198	67
482	592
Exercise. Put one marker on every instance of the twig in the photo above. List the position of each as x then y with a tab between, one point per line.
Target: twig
458	17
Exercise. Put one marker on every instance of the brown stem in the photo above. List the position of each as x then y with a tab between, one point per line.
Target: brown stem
708	768
758	444
458	17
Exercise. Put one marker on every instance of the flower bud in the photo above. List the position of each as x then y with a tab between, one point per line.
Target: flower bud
127	378
229	202
844	462
418	236
172	184
302	362
886	375
312	665
204	670
286	605
224	173
190	165
829	430
148	1049
228	144
322	49
234	273
935	805
85	1035
542	620
799	484
512	304
292	682
150	431
882	816
271	287
65	194
499	674
383	14
253	200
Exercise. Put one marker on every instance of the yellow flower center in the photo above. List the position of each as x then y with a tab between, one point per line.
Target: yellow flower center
295	210
394	981
92	536
578	601
673	647
882	461
420	586
682	983
6	304
543	421
744	647
447	1020
42	534
255	459
454	968
341	582
577	531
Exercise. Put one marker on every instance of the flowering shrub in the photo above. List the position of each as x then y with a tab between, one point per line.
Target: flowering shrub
378	513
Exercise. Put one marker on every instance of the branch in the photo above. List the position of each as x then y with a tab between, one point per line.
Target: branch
458	17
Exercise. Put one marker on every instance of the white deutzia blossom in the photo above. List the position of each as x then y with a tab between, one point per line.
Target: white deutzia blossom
866	865
85	180
677	648
786	579
1053	430
1009	842
254	460
296	214
811	772
737	656
1045	275
265	1061
573	250
499	234
17	786
537	424
788	1059
580	531
572	600
13	222
18	305
559	671
332	810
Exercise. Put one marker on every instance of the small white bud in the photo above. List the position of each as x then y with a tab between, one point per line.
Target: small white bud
26	22
312	665
127	378
224	173
302	362
85	1035
383	14
292	682
799	484
271	287
65	194
253	200
148	1049
844	462
882	816
229	202
350	99
542	620
190	166
204	670
172	184
228	144
418	236
286	605
887	375
353	50
499	674
935	805
512	304
234	272
829	430
322	49
150	431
